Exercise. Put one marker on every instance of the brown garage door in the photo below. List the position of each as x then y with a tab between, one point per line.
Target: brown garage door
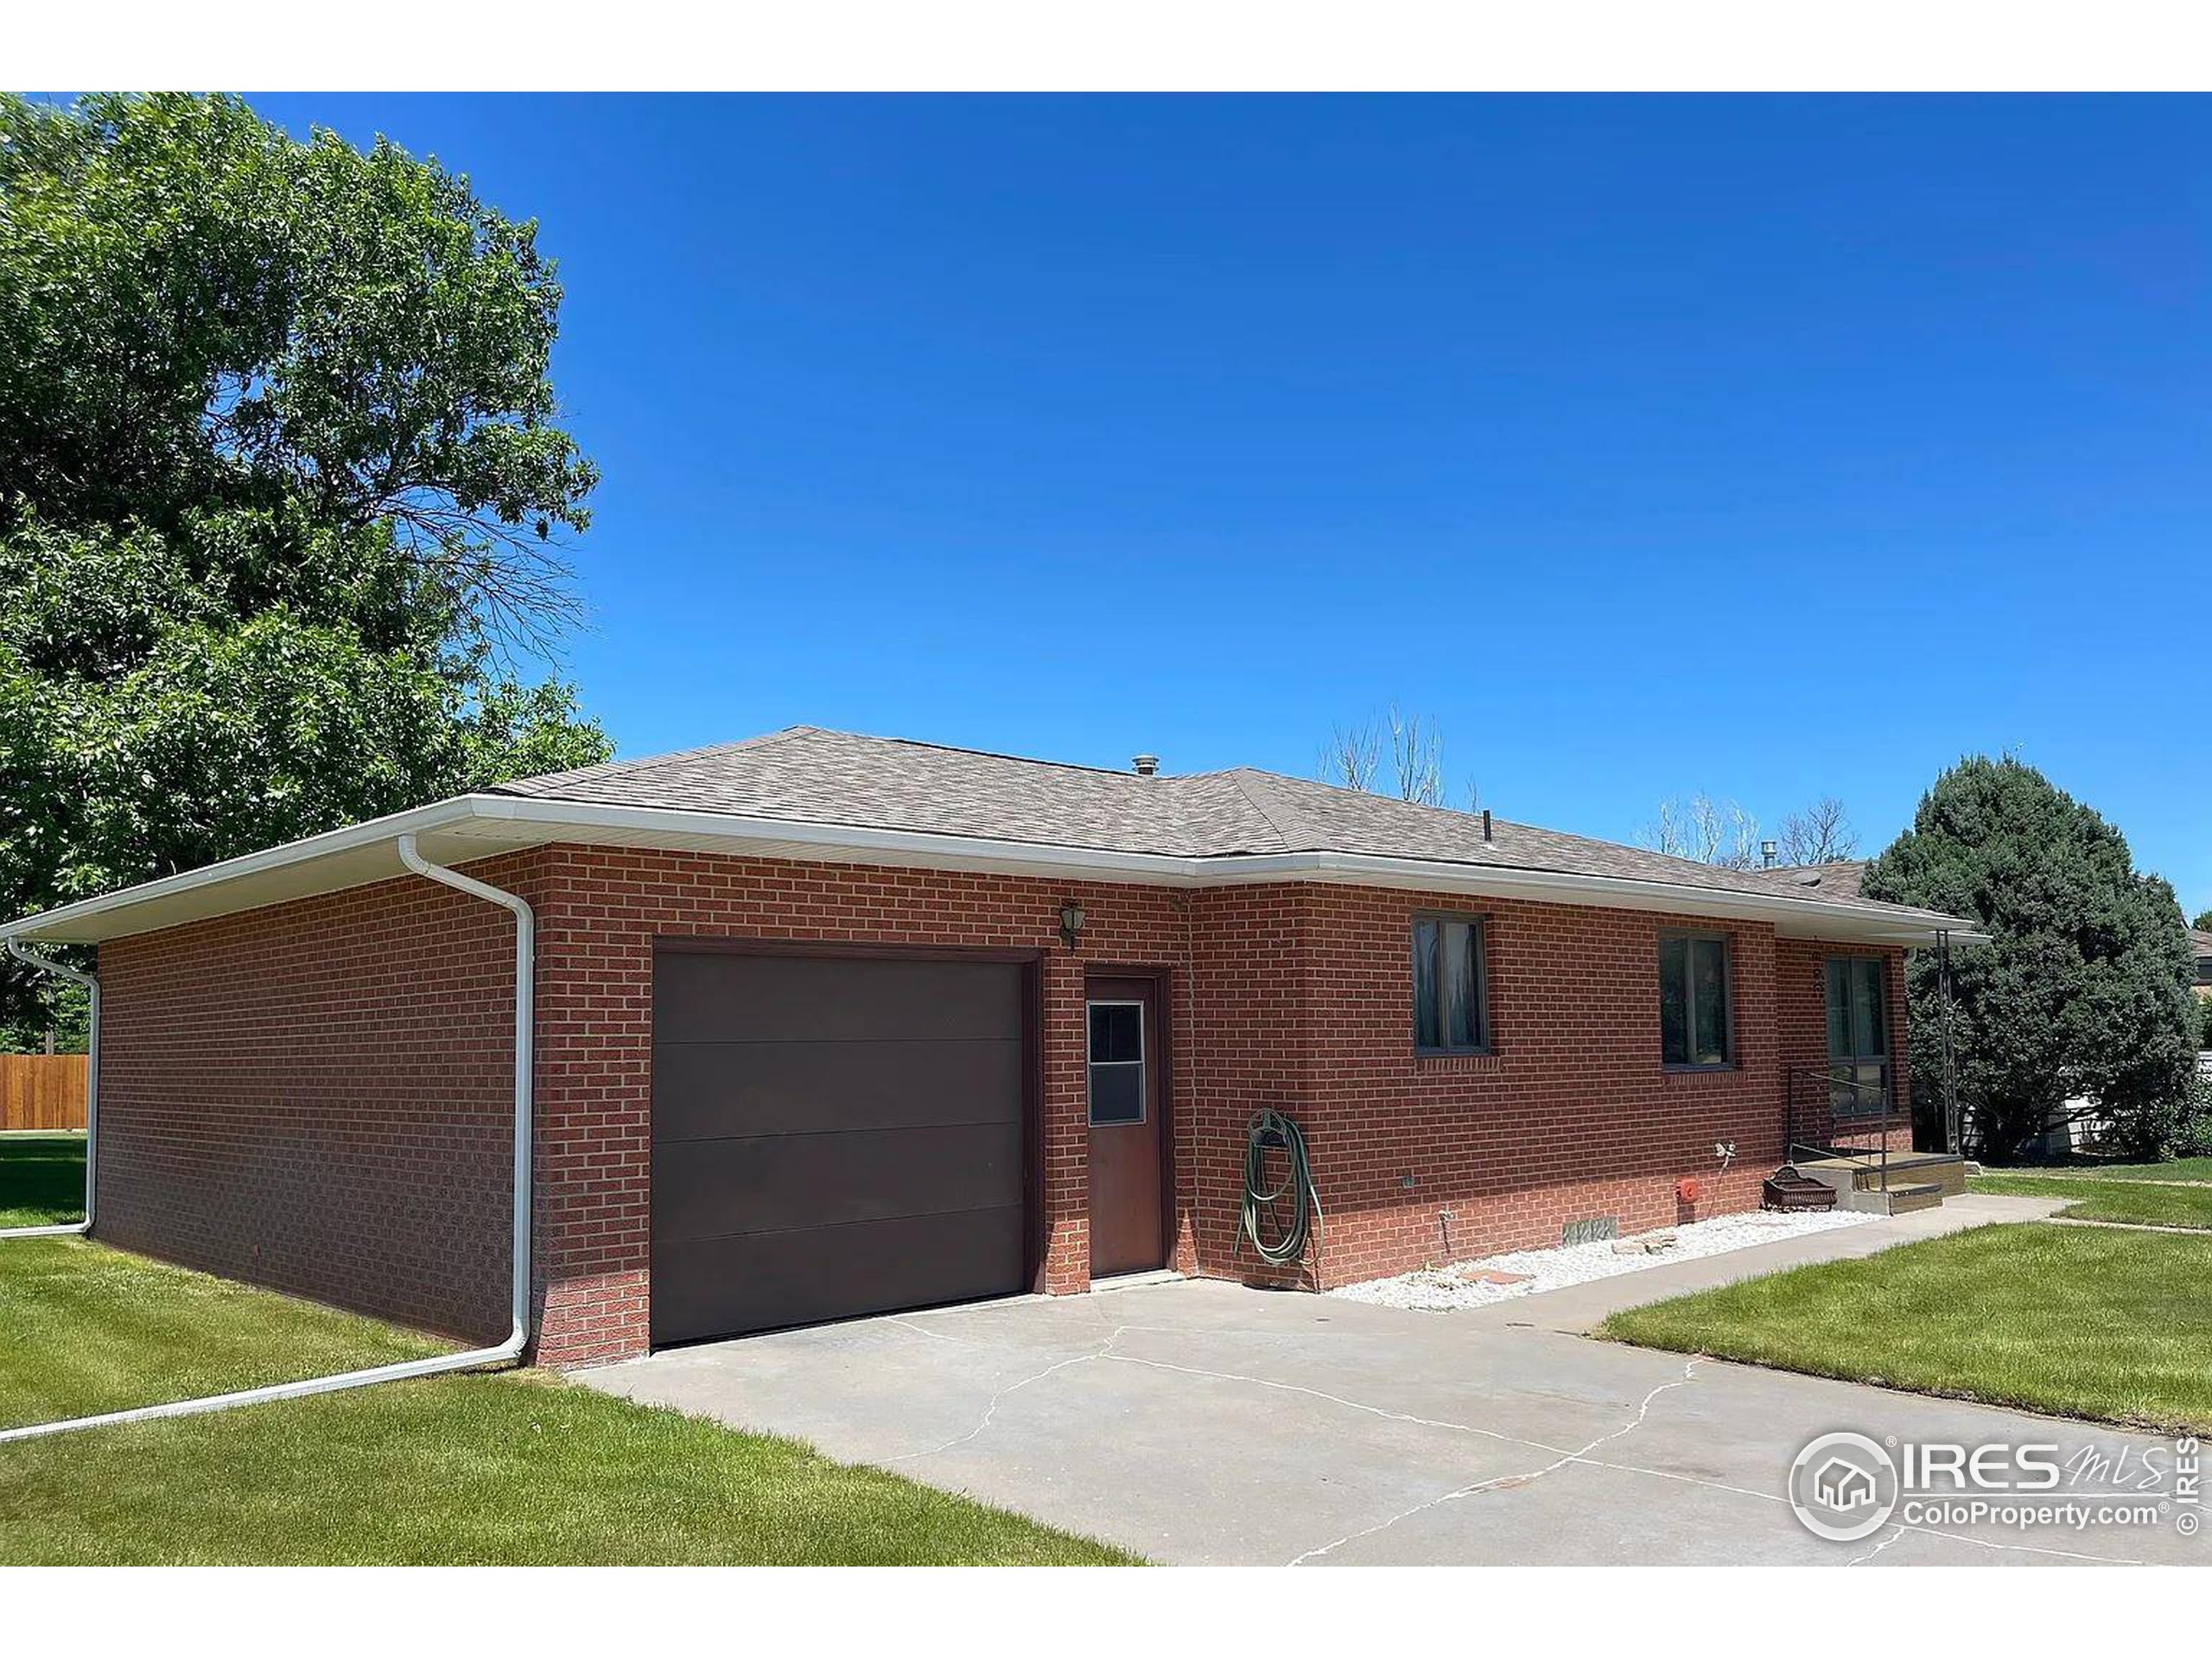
832	1136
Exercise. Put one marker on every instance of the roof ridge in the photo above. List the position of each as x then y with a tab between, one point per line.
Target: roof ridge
758	741
1269	805
993	755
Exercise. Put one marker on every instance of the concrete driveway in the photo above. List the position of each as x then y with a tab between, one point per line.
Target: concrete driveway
1205	1422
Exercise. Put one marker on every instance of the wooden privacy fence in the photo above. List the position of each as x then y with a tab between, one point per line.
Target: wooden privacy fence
42	1091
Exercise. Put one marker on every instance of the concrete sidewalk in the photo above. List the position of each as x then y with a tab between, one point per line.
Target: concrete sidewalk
1204	1422
1578	1308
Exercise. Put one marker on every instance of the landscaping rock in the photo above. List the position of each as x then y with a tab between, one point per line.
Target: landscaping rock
1523	1273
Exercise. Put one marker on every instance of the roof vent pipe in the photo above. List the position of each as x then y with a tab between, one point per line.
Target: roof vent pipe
1146	765
1767	850
1486	824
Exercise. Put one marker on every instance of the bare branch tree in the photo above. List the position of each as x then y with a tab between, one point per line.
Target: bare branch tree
1352	756
1417	758
1821	834
1710	832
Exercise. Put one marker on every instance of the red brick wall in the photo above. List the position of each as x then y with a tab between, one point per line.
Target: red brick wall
603	907
1800	996
315	1096
318	1096
1571	1116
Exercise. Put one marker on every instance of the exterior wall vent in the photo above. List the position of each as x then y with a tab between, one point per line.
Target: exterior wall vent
1590	1231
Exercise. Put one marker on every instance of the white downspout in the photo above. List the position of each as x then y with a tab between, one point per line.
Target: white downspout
92	1090
518	1338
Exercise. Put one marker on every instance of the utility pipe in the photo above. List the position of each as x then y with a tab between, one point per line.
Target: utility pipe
518	1337
91	1089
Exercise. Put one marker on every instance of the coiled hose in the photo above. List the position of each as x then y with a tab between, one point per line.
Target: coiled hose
1278	1239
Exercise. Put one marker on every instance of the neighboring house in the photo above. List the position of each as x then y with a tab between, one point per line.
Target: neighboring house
827	1025
2200	943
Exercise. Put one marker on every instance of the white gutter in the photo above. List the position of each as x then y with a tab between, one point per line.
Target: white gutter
970	851
92	1090
518	1338
534	821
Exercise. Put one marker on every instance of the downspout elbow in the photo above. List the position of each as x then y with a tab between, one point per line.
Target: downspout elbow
518	1338
525	1027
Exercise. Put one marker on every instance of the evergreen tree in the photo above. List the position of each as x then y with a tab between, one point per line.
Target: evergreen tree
2084	991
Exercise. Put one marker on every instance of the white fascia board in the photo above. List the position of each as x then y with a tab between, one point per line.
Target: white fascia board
1811	917
65	921
510	821
962	852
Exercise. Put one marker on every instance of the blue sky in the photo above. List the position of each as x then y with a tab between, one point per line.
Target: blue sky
1772	446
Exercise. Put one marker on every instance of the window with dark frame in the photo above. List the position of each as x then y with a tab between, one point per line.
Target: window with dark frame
1116	1055
1857	1008
1696	1028
1451	985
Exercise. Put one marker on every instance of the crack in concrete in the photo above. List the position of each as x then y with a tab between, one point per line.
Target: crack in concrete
991	1409
1335	1399
1902	1526
904	1323
1504	1481
1861	1560
1562	1456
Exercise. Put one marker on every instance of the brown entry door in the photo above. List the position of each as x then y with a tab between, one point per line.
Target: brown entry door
1128	1232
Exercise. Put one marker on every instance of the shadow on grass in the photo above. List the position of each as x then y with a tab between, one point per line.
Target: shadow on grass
42	1180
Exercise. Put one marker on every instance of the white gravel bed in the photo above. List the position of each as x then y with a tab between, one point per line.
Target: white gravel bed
1439	1290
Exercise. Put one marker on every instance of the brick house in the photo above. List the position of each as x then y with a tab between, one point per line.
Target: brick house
817	1024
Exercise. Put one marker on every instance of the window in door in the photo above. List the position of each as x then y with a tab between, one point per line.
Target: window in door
1116	1062
1859	1042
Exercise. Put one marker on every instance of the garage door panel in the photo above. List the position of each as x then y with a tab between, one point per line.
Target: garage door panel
834	1136
710	996
710	1090
780	1183
758	1281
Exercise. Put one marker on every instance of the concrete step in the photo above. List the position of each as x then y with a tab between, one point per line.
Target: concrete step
1900	1198
1944	1170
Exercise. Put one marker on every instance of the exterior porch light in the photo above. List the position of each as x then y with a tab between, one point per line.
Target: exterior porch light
1071	923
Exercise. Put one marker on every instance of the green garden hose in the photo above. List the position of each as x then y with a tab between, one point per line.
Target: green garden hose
1280	1240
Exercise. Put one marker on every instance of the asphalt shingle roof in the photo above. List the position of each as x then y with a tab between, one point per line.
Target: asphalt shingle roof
1837	879
825	777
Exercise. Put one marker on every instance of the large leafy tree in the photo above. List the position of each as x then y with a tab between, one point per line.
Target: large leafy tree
283	492
2084	992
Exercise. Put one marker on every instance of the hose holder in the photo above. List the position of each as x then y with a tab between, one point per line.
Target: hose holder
1278	1239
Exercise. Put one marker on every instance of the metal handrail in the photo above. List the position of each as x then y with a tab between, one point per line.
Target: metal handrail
1830	1081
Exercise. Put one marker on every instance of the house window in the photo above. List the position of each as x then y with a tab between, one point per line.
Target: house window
1451	985
1116	1059
1857	1009
1694	1028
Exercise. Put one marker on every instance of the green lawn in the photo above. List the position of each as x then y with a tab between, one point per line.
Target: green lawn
2178	1169
91	1329
2080	1321
42	1180
483	1468
2108	1199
